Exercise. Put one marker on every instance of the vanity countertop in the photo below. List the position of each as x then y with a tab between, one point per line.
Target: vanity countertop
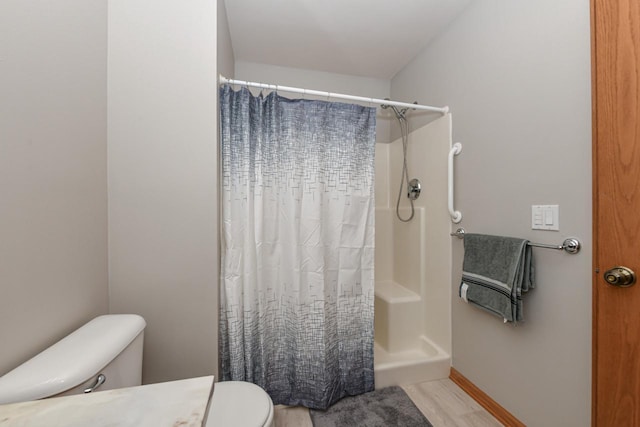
175	403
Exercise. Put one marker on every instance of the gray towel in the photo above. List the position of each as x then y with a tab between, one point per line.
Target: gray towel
496	272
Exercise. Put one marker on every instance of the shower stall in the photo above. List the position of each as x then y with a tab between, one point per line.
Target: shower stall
412	295
413	260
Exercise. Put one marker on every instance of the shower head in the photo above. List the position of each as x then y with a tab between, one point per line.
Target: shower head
400	114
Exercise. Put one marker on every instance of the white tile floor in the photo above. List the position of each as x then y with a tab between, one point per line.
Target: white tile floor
442	402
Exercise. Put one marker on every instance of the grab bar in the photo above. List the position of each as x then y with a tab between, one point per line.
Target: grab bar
456	216
570	245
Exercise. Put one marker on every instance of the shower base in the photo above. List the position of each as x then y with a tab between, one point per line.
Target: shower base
425	363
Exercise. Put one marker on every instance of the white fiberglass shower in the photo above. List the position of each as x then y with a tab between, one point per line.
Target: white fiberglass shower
413	261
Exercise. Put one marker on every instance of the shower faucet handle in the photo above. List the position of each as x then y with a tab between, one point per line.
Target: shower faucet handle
413	191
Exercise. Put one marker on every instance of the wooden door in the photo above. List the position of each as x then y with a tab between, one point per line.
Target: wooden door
616	208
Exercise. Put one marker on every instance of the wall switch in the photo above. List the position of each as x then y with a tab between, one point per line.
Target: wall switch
545	217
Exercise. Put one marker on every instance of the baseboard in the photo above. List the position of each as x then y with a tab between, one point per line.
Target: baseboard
501	414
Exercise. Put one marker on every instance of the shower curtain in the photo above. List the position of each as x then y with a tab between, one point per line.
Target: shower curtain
298	246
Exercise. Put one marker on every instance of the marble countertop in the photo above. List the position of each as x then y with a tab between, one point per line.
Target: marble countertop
175	403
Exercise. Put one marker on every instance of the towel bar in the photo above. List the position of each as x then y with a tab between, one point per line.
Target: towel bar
570	245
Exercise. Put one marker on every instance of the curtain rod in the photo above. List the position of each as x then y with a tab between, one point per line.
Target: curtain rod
441	110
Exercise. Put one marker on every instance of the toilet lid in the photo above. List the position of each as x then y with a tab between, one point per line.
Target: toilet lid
239	404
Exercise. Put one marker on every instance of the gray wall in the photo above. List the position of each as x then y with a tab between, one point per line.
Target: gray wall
53	179
226	60
163	210
517	77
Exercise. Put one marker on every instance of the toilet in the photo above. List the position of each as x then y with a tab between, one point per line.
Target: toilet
239	404
105	354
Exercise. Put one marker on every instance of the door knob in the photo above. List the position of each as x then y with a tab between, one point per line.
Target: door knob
620	276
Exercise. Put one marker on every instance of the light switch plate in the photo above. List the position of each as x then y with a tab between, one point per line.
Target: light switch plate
545	217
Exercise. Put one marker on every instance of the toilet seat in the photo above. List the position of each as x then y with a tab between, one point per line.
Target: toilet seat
239	404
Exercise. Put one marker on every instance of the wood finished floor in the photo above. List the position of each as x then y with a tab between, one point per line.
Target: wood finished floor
442	402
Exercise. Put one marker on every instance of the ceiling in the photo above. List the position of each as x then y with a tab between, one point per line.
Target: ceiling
371	38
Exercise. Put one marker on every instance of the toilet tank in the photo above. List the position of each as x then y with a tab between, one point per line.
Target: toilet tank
109	345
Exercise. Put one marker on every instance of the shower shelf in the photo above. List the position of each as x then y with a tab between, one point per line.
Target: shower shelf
397	309
392	292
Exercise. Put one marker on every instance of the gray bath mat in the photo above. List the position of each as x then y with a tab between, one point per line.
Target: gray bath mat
389	406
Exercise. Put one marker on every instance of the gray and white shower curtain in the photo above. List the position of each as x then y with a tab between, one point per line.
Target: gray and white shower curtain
298	246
